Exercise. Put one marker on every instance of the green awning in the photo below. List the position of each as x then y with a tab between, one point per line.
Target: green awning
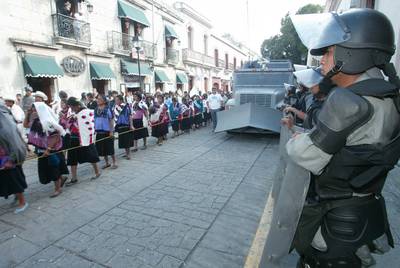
100	71
126	10
41	66
170	32
131	68
181	78
161	76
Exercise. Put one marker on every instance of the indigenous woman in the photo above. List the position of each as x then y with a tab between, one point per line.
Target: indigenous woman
156	123
206	111
164	116
12	155
198	111
104	127
123	125
185	112
64	115
139	111
175	114
45	134
82	148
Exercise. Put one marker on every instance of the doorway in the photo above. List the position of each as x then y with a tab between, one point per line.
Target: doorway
100	86
46	85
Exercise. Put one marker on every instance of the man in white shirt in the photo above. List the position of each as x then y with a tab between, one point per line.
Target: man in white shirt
214	104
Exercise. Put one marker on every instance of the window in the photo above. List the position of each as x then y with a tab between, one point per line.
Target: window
216	58
355	4
67	7
226	61
205	45
205	84
234	63
190	37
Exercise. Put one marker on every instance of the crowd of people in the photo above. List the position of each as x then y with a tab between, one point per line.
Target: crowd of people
72	131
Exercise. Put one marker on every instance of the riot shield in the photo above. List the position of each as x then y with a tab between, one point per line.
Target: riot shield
288	196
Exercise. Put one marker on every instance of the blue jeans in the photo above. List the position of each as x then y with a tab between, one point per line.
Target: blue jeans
214	117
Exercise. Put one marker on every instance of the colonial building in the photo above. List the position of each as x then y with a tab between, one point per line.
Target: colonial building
388	7
101	45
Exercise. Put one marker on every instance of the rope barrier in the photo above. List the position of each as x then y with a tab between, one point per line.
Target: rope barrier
109	137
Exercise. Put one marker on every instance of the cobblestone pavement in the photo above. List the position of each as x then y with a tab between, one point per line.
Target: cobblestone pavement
196	201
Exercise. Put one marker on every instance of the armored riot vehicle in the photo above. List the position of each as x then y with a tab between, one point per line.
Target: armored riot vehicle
258	91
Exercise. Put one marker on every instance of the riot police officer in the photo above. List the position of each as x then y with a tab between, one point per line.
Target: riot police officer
355	143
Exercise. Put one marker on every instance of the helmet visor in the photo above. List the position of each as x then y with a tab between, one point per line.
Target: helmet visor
308	78
319	31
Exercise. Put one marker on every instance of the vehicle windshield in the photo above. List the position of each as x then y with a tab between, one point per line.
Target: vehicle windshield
262	78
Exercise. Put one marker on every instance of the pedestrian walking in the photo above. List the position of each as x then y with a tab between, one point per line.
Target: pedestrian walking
45	134
123	125
12	155
214	104
104	127
82	149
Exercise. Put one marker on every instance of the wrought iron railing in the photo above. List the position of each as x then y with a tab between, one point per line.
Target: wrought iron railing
171	56
68	28
197	57
122	43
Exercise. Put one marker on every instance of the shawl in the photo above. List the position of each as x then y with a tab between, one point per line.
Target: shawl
48	119
10	140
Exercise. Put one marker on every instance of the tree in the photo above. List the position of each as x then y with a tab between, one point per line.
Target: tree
287	44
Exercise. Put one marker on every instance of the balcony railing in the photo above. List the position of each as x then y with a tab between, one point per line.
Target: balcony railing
121	43
192	56
221	64
68	30
171	56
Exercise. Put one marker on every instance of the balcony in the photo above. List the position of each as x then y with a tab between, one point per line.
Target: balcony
191	56
70	31
171	56
121	44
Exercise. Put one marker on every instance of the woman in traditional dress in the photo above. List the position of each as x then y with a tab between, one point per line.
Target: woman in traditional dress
139	112
186	113
104	127
206	111
82	148
123	125
156	123
12	155
175	115
45	134
198	111
164	116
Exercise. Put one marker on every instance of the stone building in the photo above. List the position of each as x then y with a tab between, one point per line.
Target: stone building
82	45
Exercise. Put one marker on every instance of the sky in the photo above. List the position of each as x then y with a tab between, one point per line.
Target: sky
229	16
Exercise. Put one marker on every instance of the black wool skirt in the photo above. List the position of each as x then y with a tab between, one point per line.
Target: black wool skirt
12	181
165	127
51	167
104	144
66	142
175	124
140	132
186	123
198	119
125	137
81	154
157	130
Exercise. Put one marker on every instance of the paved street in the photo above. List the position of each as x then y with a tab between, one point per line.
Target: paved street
196	201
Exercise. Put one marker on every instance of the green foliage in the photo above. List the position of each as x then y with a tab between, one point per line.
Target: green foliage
287	44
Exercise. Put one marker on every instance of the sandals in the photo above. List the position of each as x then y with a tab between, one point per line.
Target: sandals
106	166
21	209
134	149
114	167
71	182
63	180
95	177
55	194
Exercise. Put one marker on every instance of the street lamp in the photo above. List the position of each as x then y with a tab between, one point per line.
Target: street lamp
136	44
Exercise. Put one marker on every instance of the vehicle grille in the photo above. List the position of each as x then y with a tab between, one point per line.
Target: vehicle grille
259	99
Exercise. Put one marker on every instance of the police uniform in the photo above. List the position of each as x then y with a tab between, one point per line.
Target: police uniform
351	149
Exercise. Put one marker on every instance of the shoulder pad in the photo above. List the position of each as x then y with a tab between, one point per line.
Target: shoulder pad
342	113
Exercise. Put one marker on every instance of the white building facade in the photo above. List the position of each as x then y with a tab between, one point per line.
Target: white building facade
80	46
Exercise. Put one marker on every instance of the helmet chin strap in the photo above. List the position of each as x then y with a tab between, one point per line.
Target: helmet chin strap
335	70
390	71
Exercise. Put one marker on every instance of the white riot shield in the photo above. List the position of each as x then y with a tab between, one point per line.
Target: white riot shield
288	194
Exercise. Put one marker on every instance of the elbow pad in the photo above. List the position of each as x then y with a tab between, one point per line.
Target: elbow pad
342	113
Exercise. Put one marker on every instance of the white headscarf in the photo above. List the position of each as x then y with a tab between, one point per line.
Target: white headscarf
48	119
